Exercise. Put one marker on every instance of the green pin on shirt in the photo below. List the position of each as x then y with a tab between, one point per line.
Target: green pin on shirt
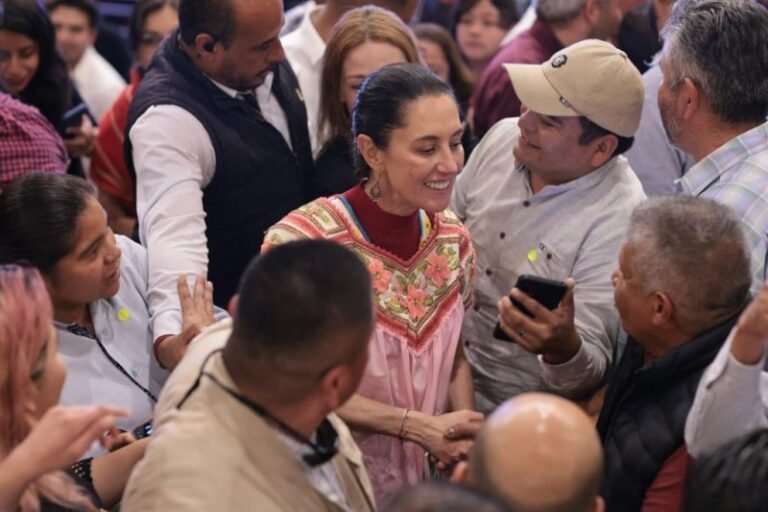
123	315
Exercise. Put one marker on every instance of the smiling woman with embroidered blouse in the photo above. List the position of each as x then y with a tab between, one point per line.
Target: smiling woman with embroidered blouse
408	152
98	287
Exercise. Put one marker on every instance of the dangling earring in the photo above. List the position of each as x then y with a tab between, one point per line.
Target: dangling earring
375	191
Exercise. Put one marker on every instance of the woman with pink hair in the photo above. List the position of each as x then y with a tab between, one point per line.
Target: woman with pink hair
37	437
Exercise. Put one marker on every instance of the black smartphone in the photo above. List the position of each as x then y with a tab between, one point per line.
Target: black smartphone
546	292
72	118
142	431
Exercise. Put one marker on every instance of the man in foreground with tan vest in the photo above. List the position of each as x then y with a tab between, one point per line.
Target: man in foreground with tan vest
246	420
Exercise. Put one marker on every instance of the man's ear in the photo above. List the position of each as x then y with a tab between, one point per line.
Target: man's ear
663	309
94	35
205	46
592	11
689	99
604	148
335	386
368	150
460	475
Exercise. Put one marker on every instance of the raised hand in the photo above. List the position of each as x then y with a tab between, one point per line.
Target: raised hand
751	333
196	314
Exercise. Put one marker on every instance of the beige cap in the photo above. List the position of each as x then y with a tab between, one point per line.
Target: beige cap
590	78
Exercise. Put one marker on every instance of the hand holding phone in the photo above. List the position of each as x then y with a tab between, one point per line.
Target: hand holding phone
550	332
78	131
546	292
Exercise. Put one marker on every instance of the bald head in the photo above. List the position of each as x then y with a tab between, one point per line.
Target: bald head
540	453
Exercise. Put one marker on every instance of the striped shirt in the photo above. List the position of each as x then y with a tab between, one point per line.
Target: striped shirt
736	175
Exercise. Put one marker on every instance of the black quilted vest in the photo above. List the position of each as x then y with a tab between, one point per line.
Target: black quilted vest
258	178
643	417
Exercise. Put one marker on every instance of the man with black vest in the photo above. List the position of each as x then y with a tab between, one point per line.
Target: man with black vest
217	137
683	279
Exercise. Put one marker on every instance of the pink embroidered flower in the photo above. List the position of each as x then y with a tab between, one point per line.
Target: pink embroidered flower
414	301
380	275
437	269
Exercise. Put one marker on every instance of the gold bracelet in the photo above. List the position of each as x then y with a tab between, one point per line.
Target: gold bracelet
403	434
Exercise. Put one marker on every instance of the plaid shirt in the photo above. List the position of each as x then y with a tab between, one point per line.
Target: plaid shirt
28	142
736	174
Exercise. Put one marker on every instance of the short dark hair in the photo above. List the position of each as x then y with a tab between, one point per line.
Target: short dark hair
213	17
298	299
141	11
732	478
38	218
694	250
507	10
379	107
86	6
722	45
591	131
50	88
437	496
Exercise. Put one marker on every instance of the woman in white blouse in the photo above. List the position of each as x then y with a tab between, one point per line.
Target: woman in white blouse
98	285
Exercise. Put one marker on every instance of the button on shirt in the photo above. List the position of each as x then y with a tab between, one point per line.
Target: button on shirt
304	49
569	230
736	175
175	161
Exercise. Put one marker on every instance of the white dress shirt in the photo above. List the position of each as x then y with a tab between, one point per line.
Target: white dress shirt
97	81
570	230
175	161
304	49
731	401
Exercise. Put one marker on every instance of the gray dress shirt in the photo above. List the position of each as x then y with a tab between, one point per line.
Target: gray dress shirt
569	230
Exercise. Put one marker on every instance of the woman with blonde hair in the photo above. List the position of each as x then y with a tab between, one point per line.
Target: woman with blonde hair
364	40
37	438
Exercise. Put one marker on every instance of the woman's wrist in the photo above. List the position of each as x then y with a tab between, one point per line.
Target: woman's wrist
419	427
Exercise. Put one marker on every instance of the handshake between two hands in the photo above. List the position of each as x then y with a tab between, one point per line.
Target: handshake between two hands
453	437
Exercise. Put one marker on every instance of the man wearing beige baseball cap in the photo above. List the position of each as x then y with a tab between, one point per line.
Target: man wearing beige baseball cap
549	194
